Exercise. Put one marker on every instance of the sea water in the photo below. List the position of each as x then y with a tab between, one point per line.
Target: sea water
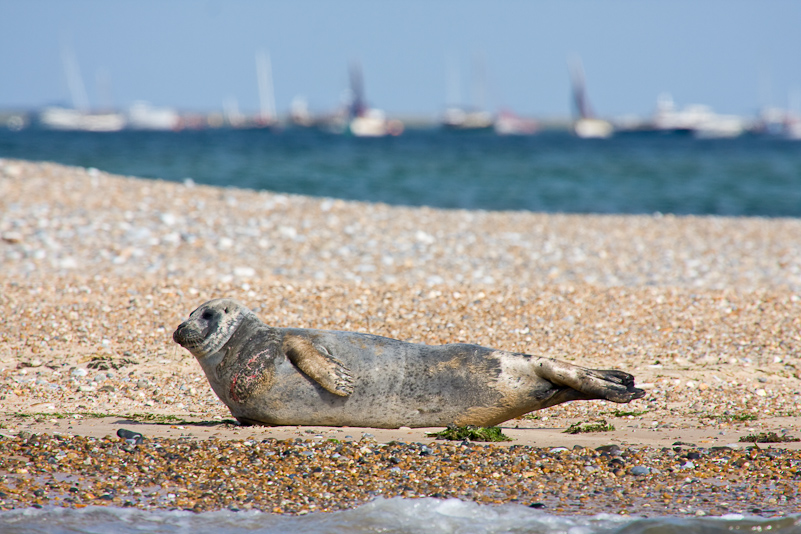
396	515
549	172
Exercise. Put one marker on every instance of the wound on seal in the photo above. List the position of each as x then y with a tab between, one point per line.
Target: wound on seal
251	376
247	371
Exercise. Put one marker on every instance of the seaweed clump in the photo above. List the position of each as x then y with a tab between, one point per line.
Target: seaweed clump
471	433
598	425
767	437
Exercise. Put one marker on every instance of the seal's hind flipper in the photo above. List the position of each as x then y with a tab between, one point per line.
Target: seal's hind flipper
613	385
617	386
319	365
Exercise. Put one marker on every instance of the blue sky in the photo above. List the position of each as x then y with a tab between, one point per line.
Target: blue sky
732	55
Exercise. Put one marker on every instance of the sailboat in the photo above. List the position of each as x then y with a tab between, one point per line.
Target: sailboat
586	126
365	121
458	117
79	117
264	77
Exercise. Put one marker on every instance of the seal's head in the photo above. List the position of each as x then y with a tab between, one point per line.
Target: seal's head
210	326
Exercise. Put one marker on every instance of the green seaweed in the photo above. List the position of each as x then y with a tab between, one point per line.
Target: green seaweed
156	418
621	413
767	437
104	363
61	415
739	417
150	418
733	418
165	419
582	427
471	433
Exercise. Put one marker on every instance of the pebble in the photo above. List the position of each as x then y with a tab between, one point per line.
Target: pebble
130	437
66	219
306	476
639	470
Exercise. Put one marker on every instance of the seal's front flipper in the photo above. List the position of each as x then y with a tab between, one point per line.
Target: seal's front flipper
319	365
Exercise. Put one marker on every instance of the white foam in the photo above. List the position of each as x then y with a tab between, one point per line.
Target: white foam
390	516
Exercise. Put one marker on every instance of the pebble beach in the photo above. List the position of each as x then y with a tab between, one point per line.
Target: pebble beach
97	270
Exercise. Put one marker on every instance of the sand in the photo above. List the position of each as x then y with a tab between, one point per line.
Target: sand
97	271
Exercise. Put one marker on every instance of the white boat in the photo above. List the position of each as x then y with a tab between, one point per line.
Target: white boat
593	128
374	123
720	127
67	119
144	116
456	118
696	119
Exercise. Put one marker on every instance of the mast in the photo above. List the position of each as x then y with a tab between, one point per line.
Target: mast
580	102
358	105
454	94
264	77
479	89
80	100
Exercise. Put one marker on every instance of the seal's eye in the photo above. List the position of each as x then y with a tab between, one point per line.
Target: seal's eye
226	310
207	315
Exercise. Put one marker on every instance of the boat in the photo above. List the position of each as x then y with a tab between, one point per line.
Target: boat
374	123
14	120
79	117
144	116
466	118
696	119
507	123
780	122
591	128
69	119
364	121
457	118
587	125
299	114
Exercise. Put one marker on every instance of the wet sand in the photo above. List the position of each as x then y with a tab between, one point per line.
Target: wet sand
97	270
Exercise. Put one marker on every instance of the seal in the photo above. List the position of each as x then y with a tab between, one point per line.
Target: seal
294	376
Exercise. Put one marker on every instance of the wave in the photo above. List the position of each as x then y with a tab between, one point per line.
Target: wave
390	516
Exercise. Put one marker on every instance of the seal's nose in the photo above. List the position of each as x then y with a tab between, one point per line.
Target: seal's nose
177	336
